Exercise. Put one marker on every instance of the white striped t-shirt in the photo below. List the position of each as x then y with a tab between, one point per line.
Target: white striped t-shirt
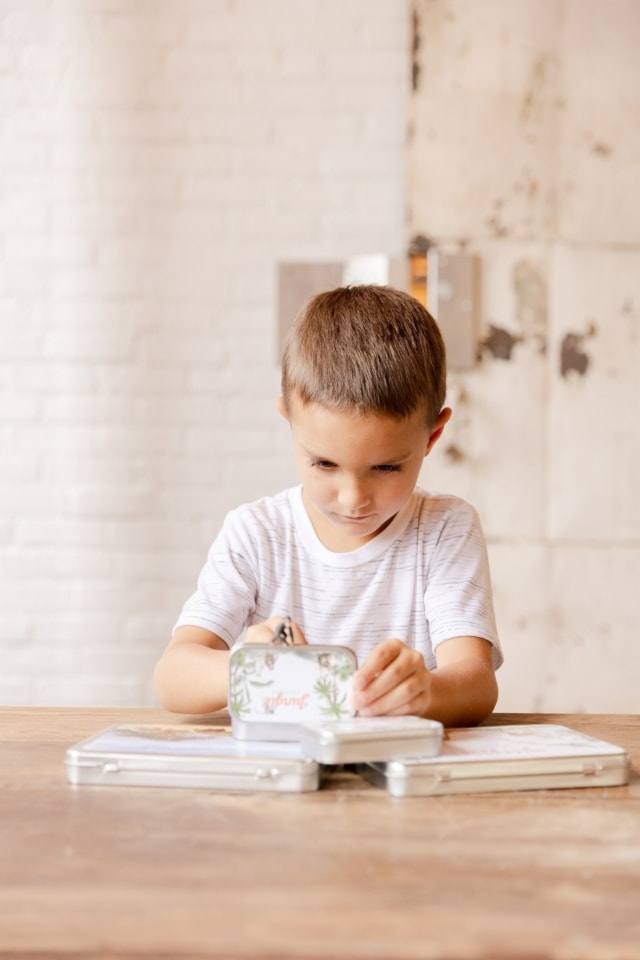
424	579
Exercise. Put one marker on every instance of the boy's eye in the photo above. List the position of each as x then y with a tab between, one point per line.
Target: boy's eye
381	467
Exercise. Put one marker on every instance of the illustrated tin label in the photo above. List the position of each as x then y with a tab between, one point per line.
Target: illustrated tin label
292	684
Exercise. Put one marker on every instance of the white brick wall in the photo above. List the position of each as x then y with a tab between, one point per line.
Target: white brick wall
157	160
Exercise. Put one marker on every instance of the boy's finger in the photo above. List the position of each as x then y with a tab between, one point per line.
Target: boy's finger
392	701
299	638
377	661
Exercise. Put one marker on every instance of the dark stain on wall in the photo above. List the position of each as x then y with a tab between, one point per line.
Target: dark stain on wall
495	221
530	288
453	453
419	245
536	85
632	317
499	343
572	356
415	50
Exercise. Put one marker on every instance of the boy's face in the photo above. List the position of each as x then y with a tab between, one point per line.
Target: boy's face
357	471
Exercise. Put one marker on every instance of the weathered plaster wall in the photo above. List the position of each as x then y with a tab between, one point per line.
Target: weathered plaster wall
525	148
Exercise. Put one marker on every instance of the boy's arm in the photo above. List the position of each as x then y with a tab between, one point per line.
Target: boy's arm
461	691
191	676
464	689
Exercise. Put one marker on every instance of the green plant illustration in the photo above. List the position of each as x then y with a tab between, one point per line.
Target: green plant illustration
331	703
242	677
343	670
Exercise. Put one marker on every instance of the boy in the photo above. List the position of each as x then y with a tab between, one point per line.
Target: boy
356	555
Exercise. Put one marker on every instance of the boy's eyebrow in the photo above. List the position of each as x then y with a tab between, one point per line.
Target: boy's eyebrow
314	456
395	460
401	458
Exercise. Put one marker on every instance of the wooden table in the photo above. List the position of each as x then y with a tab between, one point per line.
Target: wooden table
348	872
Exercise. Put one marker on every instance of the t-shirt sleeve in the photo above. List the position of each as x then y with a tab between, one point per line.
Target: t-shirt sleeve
226	588
458	597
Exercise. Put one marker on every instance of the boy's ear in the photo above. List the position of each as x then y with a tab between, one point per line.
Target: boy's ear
441	421
282	408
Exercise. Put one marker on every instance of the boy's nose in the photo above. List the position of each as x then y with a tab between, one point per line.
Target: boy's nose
353	495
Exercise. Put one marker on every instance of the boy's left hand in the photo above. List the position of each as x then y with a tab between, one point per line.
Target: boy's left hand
393	680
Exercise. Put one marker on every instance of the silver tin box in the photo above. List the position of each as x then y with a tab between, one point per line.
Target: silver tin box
181	755
514	757
273	690
363	739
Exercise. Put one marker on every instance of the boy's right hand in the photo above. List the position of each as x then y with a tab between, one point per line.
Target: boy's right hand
263	632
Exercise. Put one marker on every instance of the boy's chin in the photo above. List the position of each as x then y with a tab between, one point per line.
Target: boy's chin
356	532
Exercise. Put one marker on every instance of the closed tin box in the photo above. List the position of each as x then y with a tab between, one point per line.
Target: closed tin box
512	757
273	690
188	755
363	739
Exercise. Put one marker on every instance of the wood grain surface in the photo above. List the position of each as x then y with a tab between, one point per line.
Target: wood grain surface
348	872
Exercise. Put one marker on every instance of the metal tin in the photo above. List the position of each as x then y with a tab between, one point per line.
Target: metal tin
367	739
514	757
273	690
180	755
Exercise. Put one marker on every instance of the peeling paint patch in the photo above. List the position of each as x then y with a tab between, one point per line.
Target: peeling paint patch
419	245
572	356
530	288
500	343
602	149
495	221
539	90
415	50
632	316
453	453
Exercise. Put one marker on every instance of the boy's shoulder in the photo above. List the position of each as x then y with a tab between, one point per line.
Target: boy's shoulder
274	509
433	503
439	517
442	522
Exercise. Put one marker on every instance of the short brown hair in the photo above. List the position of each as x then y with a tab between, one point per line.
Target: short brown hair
370	348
